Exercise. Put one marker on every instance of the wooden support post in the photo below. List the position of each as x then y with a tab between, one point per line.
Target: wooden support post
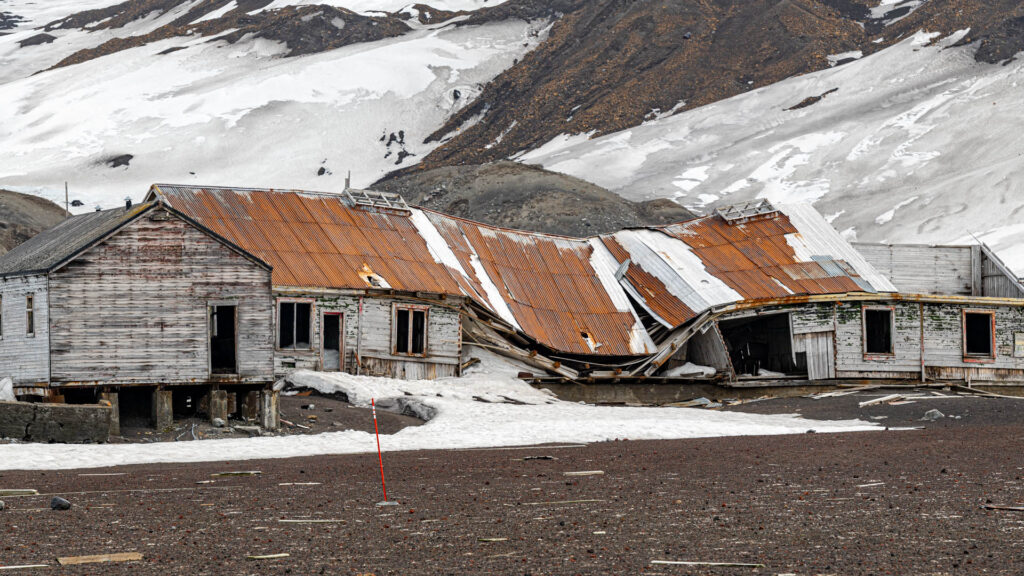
163	409
219	405
270	418
115	414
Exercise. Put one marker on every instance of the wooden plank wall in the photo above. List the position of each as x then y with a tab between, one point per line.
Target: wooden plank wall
25	359
444	337
922	269
133	309
943	342
995	283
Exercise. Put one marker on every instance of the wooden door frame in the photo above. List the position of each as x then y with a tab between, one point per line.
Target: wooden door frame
341	338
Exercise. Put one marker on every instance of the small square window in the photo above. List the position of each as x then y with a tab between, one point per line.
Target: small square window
979	334
878	328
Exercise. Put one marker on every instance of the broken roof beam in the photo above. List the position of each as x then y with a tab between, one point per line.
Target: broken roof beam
487	335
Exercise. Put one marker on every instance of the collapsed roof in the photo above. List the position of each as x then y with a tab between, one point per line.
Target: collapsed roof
573	295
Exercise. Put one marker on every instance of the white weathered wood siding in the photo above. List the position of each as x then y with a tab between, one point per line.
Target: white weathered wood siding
708	349
133	309
942	327
373	336
24	358
923	269
819	350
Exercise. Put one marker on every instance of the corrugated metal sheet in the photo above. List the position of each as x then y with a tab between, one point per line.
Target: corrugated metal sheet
680	270
560	291
545	285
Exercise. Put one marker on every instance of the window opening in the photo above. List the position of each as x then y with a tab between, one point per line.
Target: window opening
410	331
293	325
30	314
878	331
978	334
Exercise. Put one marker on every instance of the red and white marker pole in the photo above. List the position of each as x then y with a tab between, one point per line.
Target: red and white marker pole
373	405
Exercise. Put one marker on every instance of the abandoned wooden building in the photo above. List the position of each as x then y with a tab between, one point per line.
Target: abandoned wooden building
224	290
143	306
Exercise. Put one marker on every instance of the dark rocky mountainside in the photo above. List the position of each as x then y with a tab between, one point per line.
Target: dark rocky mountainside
610	64
23	216
514	195
306	29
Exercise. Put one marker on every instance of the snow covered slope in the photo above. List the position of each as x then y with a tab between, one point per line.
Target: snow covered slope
190	110
917	143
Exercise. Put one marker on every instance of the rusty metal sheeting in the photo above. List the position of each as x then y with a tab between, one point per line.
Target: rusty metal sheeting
549	285
544	285
679	270
316	240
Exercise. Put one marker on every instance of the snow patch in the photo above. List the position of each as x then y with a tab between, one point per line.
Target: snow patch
457	420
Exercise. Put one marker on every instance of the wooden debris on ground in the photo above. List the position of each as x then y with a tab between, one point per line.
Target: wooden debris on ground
238	473
881	400
1002	507
719	564
310	521
585	473
268	556
18	492
560	502
492	539
23	567
99	558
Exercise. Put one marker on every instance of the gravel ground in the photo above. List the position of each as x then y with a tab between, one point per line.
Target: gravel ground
885	502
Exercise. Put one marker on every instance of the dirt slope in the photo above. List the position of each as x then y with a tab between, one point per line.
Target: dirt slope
515	195
23	216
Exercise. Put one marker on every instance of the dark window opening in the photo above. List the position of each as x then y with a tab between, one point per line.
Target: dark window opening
222	340
332	342
30	314
978	334
878	331
293	325
759	344
410	331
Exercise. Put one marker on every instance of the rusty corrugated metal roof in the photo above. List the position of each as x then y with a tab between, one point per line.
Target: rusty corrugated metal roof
547	286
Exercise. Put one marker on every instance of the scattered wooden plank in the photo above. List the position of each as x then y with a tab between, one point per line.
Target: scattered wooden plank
492	539
268	556
298	484
560	502
24	567
720	564
844	392
99	558
585	473
881	400
18	492
310	521
238	473
1002	507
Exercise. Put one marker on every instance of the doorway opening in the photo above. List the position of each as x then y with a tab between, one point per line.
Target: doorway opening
332	348
760	345
223	341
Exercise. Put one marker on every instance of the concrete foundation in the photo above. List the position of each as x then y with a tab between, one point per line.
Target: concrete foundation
115	412
163	409
64	423
218	405
270	415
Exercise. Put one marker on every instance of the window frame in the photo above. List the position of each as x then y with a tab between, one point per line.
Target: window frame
395	308
864	332
277	323
30	314
974	357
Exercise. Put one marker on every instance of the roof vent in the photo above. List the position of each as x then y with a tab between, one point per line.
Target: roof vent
740	213
376	200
